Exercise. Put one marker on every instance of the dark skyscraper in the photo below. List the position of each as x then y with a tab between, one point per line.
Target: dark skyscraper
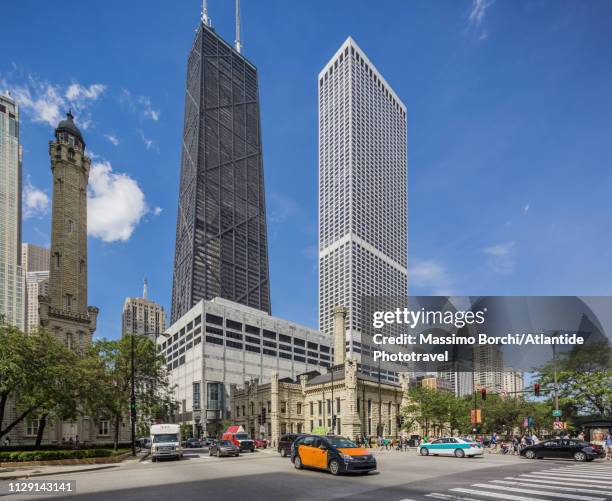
221	237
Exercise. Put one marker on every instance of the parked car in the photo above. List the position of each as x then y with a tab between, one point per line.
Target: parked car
579	450
450	446
284	444
144	442
206	441
334	453
223	448
192	443
260	443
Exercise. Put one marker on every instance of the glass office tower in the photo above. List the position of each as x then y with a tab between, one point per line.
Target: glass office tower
221	236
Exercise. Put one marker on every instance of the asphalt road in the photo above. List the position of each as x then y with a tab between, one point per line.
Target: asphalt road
401	476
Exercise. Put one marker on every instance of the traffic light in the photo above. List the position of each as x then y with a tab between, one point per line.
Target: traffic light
483	393
263	415
536	389
259	419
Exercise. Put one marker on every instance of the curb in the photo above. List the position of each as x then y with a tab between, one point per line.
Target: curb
15	477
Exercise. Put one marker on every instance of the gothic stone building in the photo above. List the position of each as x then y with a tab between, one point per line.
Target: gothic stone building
343	401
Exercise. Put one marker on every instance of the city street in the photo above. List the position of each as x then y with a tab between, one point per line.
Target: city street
264	475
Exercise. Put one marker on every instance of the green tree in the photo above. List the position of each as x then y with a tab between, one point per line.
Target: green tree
39	374
584	376
107	375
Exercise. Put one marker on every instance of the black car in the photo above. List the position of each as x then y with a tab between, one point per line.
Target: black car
223	448
564	448
192	443
331	452
284	444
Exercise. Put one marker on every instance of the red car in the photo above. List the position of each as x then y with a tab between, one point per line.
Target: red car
261	443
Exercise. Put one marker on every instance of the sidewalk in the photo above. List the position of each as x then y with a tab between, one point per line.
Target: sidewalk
15	472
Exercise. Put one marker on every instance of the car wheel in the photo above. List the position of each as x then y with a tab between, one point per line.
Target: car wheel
579	456
334	467
283	453
424	451
218	454
253	450
459	453
530	454
297	463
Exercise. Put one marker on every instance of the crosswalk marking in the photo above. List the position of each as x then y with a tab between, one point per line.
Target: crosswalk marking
543	475
553	487
569	473
539	493
495	495
557	482
437	495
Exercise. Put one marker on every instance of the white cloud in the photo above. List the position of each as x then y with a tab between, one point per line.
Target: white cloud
477	16
139	103
148	110
501	257
77	92
115	204
429	275
112	138
149	143
157	211
45	102
35	201
526	208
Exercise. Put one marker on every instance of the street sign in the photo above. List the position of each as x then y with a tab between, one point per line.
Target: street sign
559	425
557	413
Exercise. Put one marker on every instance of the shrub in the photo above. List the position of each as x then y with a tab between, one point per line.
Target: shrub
21	456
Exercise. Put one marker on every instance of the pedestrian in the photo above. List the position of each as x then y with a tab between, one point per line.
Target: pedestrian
7	442
581	435
534	439
608	446
77	442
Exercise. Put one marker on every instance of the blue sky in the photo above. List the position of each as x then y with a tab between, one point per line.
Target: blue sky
509	134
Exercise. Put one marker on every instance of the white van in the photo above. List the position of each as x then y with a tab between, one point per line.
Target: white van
166	441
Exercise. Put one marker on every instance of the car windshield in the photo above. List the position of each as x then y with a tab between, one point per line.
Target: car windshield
165	437
242	436
225	443
341	442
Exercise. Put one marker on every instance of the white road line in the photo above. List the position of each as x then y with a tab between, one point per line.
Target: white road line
437	495
495	495
590	478
569	473
538	493
557	482
553	487
575	479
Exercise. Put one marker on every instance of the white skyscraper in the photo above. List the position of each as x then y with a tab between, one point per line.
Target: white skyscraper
363	249
37	284
11	274
143	316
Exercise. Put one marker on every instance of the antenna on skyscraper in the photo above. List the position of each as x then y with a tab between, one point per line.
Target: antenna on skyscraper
238	43
204	17
145	289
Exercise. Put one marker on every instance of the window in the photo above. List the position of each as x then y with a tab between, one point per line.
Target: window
243	410
231	324
103	428
283	407
214	319
32	427
196	396
337	405
311	408
299	408
237	411
320	407
251	329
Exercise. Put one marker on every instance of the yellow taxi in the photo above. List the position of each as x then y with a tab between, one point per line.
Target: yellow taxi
331	452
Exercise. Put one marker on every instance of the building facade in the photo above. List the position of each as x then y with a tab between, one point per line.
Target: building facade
219	343
12	281
34	258
64	311
362	193
221	247
513	383
37	284
342	400
142	316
